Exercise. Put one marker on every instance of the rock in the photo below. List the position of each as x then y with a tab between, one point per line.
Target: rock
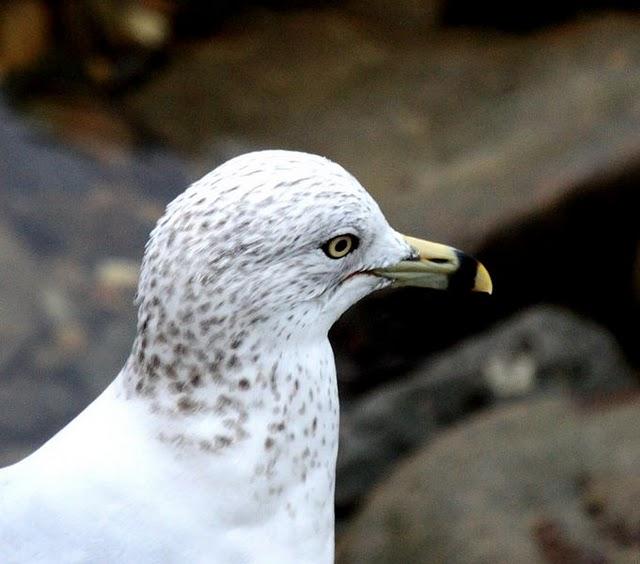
116	281
117	274
544	349
374	432
455	134
93	128
512	485
613	501
19	288
25	33
14	451
113	222
34	407
148	26
71	339
525	16
636	275
107	353
65	307
237	96
413	15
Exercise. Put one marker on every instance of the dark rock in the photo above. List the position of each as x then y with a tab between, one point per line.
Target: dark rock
19	289
513	485
408	15
525	16
34	407
107	353
12	452
544	349
374	432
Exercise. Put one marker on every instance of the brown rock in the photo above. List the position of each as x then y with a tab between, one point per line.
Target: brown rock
413	15
457	134
514	485
25	30
88	125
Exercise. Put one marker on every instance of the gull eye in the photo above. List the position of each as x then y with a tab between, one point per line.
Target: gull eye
340	246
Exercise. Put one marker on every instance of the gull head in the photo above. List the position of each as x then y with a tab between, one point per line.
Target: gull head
275	234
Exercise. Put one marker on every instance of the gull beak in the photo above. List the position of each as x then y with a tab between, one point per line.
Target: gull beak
440	267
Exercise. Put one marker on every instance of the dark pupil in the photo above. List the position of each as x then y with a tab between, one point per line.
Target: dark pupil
341	245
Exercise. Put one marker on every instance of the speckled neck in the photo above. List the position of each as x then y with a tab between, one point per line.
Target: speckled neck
273	413
273	380
178	355
176	376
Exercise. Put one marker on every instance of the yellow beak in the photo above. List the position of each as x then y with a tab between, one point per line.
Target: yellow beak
438	266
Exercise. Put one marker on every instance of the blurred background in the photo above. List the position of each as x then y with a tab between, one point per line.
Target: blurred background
473	429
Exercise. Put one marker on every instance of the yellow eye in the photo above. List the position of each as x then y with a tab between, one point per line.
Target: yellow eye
340	246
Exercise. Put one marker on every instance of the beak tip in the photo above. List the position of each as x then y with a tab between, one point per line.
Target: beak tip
483	281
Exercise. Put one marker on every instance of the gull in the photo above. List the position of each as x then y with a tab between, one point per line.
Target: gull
217	441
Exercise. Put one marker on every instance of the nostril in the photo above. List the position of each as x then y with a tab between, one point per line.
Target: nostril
439	260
